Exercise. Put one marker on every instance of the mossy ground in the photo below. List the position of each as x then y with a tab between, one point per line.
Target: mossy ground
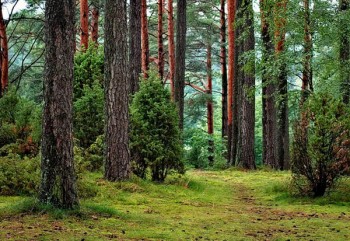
203	205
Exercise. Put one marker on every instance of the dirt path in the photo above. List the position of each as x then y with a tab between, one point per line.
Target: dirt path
269	222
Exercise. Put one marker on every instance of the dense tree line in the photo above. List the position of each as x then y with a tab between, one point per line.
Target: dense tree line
238	85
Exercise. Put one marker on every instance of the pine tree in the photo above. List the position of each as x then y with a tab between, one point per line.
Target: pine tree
117	86
57	167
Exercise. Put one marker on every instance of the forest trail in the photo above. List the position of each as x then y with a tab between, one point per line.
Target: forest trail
205	205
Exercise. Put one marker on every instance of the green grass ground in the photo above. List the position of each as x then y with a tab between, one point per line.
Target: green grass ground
222	205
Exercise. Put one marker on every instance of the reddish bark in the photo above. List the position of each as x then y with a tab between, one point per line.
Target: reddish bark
231	72
171	47
210	111
4	53
307	68
84	24
160	40
223	61
95	15
283	119
144	39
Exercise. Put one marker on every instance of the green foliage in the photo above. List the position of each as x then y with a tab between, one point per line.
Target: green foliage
89	115
155	135
197	152
19	176
88	95
321	146
20	125
88	69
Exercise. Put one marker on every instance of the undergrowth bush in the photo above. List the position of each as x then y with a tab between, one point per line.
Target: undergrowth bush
321	145
155	134
19	176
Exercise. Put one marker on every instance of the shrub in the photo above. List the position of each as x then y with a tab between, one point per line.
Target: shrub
19	176
321	145
155	134
20	124
89	115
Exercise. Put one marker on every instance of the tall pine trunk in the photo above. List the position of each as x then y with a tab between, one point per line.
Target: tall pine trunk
57	167
269	115
171	48
117	89
144	39
245	75
135	52
344	53
95	15
223	61
4	54
160	40
231	86
84	24
307	61
210	109
283	155
180	57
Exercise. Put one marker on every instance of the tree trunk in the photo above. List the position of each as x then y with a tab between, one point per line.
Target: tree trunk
117	163
84	24
246	78
307	65
4	54
94	22
180	59
171	48
144	38
210	110
57	167
160	40
135	45
344	30
231	88
223	61
269	121
282	112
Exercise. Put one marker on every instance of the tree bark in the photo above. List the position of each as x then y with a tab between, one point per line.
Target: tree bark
223	62
210	109
269	118
282	112
180	59
57	167
171	48
344	53
4	53
245	74
160	40
84	24
144	38
117	86
307	62
94	21
231	88
135	45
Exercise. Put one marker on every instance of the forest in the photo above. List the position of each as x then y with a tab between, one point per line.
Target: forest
174	120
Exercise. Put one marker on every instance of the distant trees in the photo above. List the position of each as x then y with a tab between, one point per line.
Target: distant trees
344	55
117	90
84	24
4	61
57	167
135	44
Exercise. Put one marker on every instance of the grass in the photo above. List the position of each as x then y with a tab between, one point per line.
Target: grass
203	205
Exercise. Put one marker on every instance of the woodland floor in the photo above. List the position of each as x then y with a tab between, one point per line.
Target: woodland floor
205	205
